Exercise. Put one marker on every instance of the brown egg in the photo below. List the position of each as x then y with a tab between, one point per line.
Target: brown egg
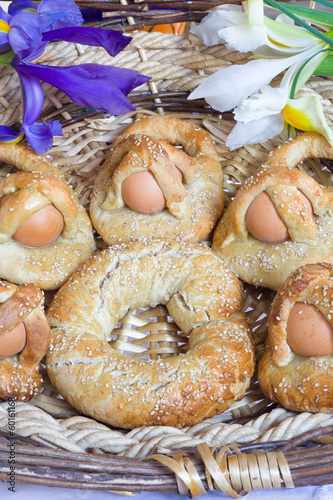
308	331
141	192
14	341
264	222
41	229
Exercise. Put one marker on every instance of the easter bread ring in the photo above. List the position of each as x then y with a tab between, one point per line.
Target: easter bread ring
19	373
193	204
299	383
202	295
22	195
309	234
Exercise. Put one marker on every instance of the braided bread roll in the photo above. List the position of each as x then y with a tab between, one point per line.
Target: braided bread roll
19	373
190	180
300	382
204	298
302	205
22	195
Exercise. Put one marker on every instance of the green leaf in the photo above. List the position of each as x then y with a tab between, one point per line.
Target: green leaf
298	20
325	68
307	69
326	3
6	57
316	16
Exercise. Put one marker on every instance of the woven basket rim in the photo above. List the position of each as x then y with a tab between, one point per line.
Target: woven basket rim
78	154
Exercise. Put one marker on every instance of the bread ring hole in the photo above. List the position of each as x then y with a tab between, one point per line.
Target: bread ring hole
6	169
149	333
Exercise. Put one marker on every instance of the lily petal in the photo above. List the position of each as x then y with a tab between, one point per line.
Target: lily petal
216	20
270	101
255	12
92	85
243	38
255	132
228	87
113	41
306	113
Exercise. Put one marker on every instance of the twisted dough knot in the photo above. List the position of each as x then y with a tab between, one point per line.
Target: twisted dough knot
300	383
305	145
153	144
309	231
19	373
23	194
139	153
29	192
202	295
284	187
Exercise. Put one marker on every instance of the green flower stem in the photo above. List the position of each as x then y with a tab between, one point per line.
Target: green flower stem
299	21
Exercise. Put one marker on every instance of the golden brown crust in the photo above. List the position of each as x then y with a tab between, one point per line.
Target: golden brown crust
47	267
129	392
193	207
298	383
19	374
305	145
269	264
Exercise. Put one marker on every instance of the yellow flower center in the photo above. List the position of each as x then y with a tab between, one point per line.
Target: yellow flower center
297	118
15	141
278	44
4	27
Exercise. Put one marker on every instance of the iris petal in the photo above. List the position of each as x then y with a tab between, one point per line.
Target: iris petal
32	97
40	135
8	135
3	39
4	16
21	5
72	18
25	33
112	41
91	85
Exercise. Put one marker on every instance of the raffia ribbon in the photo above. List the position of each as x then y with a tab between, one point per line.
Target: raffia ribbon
229	470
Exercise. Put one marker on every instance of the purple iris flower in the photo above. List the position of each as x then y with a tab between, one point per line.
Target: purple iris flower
92	85
39	135
25	31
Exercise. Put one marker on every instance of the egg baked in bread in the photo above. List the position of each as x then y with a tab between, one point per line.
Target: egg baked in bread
24	339
45	233
296	366
202	295
162	178
280	219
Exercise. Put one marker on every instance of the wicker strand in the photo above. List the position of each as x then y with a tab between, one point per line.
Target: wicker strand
81	433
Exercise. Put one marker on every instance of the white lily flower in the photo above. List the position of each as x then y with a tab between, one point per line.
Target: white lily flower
266	111
278	45
228	87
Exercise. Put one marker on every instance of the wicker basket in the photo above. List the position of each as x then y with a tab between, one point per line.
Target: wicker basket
254	445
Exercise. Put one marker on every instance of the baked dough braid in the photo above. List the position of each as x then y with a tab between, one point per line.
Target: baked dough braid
47	267
193	206
19	373
299	383
310	236
305	145
204	298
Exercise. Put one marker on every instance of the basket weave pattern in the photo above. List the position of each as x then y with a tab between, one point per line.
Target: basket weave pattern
177	65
